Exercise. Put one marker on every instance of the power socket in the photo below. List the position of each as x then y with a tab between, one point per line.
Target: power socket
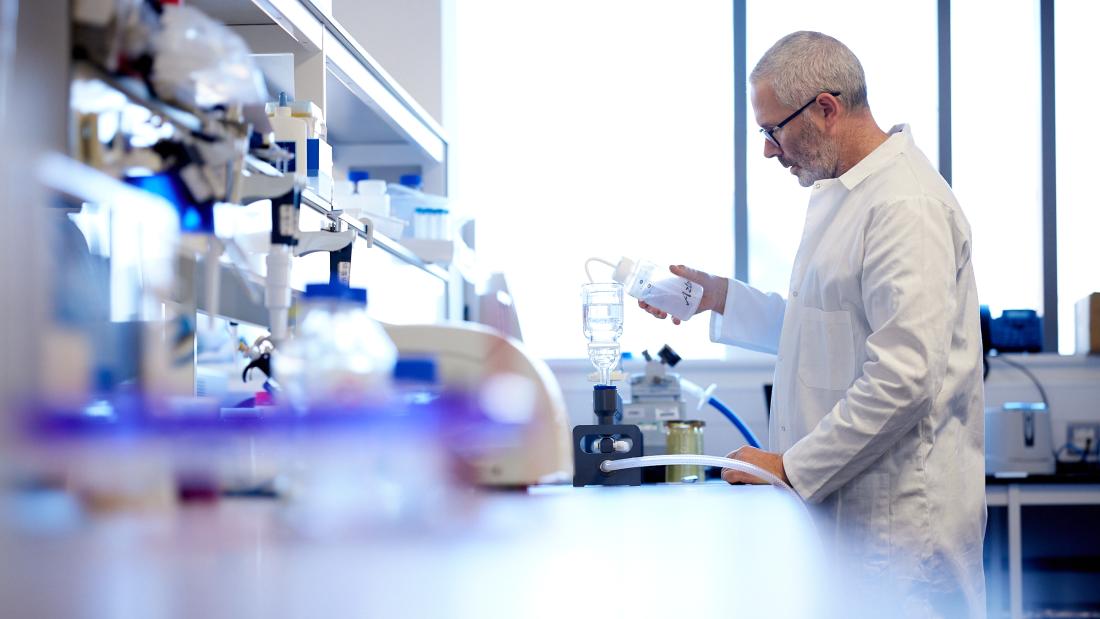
1082	435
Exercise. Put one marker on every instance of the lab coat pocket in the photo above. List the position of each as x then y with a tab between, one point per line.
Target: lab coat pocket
826	355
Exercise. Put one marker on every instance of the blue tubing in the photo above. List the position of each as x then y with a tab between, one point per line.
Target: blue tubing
745	431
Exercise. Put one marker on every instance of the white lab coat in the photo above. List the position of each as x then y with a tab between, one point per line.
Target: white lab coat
877	404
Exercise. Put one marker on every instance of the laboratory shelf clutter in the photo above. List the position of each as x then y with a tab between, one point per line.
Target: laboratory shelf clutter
363	103
363	120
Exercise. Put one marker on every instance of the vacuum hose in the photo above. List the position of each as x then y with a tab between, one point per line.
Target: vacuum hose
706	397
745	431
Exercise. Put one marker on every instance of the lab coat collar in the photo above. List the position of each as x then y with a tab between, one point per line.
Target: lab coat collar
900	139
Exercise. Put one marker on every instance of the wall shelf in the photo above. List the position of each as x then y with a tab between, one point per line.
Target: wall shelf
391	246
296	18
365	109
364	104
400	251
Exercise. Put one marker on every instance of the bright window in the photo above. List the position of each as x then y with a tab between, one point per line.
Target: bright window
896	44
595	129
1075	52
997	148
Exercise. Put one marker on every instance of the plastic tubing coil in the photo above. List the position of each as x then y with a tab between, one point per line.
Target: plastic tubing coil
608	466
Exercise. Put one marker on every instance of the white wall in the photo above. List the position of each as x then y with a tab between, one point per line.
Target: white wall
406	37
1072	385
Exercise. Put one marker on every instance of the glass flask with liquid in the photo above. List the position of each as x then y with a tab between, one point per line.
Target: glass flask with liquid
603	325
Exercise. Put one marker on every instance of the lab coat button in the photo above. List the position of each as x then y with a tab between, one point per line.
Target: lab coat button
794	294
783	428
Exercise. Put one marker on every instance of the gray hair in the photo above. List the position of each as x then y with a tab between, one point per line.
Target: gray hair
804	64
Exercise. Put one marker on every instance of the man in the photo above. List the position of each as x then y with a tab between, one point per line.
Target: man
877	411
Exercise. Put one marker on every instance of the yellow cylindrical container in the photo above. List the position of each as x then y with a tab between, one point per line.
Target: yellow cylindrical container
684	437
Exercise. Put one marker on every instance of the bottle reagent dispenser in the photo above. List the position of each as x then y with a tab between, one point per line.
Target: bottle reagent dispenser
603	325
647	282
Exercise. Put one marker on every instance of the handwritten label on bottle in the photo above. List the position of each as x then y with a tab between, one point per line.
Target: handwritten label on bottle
687	292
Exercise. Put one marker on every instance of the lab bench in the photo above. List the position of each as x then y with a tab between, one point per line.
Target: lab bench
706	550
1039	494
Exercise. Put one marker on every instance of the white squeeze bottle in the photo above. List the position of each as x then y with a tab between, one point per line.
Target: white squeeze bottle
670	293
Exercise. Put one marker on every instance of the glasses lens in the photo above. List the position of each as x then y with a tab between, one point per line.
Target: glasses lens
769	137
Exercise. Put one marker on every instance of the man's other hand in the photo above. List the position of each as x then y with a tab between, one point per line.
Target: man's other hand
767	460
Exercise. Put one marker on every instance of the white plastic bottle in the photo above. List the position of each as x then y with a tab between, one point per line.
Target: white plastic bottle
291	134
647	282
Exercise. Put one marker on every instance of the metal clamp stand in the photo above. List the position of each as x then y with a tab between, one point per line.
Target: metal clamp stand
608	440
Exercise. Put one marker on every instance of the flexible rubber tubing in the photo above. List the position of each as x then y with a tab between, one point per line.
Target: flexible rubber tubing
608	466
745	431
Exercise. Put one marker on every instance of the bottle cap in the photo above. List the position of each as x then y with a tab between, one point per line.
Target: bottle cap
415	370
622	271
357	174
336	291
357	295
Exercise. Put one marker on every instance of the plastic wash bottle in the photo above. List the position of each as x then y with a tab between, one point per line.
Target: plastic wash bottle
670	293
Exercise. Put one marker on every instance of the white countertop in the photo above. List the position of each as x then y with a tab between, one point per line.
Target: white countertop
710	550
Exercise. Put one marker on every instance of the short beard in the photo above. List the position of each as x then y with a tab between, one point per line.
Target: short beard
820	155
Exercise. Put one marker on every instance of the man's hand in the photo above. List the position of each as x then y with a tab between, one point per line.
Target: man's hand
767	460
714	292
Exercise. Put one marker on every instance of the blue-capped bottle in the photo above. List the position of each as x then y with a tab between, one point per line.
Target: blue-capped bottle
340	360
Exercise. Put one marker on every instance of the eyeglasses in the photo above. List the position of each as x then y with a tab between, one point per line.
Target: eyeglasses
769	134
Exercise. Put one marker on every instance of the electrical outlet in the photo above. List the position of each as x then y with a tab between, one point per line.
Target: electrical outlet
1082	435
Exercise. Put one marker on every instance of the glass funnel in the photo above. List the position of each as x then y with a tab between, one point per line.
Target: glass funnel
603	325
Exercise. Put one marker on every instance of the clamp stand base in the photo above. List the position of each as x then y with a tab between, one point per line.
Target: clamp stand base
593	444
